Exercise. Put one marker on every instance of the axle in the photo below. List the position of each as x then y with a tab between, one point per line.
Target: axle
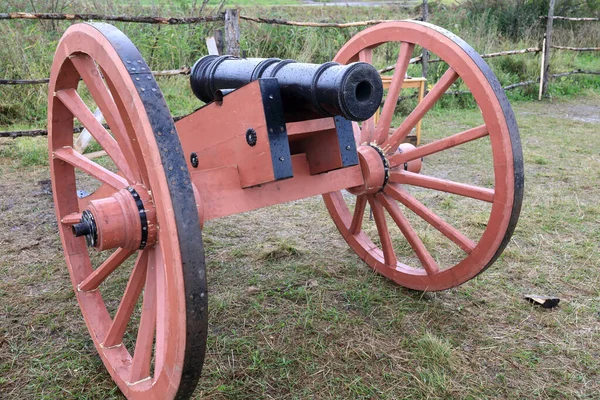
308	91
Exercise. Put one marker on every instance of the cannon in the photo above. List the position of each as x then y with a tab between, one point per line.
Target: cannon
272	131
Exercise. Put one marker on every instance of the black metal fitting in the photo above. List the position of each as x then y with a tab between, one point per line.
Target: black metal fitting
386	164
142	214
194	160
353	91
86	227
251	137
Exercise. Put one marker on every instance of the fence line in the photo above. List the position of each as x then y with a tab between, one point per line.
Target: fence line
186	70
319	24
120	18
43	132
184	20
221	17
577	71
570	18
417	60
168	72
23	81
547	45
576	48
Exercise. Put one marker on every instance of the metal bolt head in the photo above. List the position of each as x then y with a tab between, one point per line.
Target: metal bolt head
194	160
251	137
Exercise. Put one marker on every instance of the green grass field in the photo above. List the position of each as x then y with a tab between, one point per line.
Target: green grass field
295	314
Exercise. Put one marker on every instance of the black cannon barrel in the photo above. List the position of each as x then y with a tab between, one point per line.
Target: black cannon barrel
352	91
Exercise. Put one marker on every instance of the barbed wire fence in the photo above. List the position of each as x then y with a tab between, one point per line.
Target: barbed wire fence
232	17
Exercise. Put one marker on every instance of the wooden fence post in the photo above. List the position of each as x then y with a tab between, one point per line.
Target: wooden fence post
546	55
542	72
232	32
219	40
425	55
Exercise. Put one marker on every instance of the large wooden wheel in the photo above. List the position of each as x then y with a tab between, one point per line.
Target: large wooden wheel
142	221
403	191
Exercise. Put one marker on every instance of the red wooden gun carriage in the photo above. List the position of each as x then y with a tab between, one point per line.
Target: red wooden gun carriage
273	131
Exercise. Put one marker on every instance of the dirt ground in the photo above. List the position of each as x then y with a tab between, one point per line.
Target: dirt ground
354	335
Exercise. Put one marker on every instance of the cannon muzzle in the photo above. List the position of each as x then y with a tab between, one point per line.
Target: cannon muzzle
352	91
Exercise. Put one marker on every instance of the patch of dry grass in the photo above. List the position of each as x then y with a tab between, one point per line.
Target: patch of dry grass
295	314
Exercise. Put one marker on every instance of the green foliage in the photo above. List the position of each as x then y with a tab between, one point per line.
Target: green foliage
516	19
28	151
487	25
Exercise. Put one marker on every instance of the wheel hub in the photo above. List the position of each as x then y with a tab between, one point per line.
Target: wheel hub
376	167
412	165
126	219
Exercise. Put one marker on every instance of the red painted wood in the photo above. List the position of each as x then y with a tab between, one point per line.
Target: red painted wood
439	145
421	109
93	280
222	194
381	132
318	139
410	234
92	77
217	134
71	219
70	156
134	288
71	99
410	178
398	193
384	234
142	359
358	215
302	129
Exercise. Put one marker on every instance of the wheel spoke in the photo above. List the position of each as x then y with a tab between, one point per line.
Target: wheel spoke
382	230
367	130
93	80
398	193
385	120
421	109
70	98
366	55
359	211
115	333
100	274
410	234
368	126
140	367
438	145
70	156
429	182
161	329
140	173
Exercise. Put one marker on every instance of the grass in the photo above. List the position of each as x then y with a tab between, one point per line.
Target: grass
295	314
